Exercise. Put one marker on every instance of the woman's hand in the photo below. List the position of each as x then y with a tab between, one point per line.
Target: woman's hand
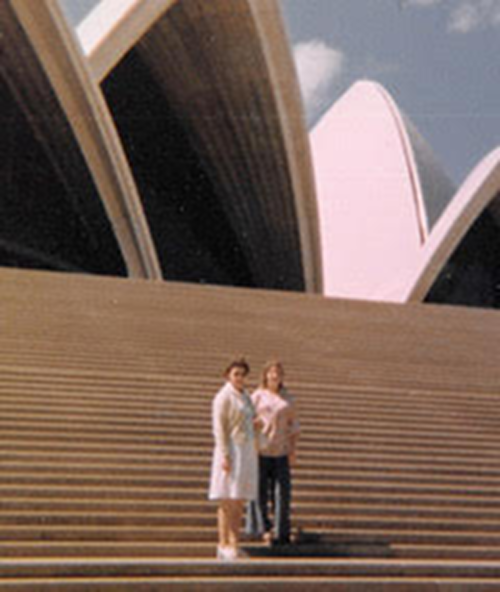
258	423
226	464
292	459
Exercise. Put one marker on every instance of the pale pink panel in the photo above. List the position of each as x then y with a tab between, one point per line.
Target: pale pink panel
369	201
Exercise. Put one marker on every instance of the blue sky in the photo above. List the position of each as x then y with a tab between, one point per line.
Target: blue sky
438	59
77	9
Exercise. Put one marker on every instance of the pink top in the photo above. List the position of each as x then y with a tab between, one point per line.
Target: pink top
280	425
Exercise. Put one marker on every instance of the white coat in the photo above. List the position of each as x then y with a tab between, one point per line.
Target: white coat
233	430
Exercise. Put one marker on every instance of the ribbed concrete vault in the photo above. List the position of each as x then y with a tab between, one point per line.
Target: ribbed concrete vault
212	60
55	58
51	213
193	235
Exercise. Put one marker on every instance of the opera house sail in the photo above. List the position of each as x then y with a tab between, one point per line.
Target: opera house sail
393	227
169	142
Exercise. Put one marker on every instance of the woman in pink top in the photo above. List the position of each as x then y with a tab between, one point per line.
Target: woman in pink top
278	433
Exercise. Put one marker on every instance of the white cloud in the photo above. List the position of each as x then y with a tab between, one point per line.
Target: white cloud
465	18
319	68
464	15
472	15
421	3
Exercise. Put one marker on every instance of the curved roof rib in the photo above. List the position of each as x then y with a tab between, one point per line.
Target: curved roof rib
88	116
409	155
480	190
435	187
369	165
292	122
113	27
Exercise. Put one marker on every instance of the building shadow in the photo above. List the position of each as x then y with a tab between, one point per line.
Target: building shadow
310	544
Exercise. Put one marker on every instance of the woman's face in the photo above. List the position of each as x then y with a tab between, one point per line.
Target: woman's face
274	377
237	378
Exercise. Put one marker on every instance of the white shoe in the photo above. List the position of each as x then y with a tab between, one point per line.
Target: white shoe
227	553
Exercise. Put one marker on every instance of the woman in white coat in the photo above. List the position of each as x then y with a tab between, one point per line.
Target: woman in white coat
234	478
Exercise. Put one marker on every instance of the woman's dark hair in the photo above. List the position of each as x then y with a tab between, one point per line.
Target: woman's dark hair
238	363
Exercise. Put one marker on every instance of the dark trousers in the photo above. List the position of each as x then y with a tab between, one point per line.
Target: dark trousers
274	488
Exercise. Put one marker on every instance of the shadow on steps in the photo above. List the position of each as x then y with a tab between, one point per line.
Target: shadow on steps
316	545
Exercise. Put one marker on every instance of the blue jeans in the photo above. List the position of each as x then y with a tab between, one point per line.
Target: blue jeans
275	488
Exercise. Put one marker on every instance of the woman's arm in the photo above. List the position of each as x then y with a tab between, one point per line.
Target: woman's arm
293	432
220	423
258	422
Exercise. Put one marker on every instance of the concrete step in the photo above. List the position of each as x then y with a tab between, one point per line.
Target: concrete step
314	486
292	583
60	385
308	446
39	441
198	458
113	434
340	495
168	421
271	567
167	472
199	420
177	549
164	389
106	439
362	519
448	551
18	391
116	549
385	533
333	508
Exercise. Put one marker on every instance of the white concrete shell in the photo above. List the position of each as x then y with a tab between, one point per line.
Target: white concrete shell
369	167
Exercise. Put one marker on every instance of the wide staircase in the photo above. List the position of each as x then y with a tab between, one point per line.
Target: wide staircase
105	399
